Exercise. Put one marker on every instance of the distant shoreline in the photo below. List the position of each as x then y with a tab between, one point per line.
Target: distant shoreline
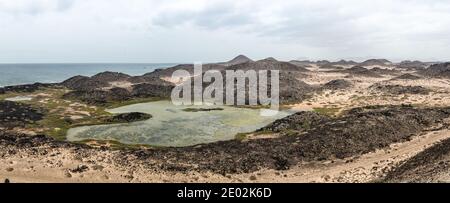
29	73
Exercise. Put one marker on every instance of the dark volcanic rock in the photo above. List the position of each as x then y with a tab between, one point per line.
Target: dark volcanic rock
376	62
83	83
299	121
437	71
98	97
26	88
337	84
2	90
187	67
152	90
431	165
27	142
293	90
267	65
271	59
110	76
383	71
361	71
80	169
344	63
129	117
92	91
407	76
120	94
412	65
305	63
322	62
14	114
399	89
149	78
237	60
330	66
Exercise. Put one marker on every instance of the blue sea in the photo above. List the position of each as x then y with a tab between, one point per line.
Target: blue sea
16	74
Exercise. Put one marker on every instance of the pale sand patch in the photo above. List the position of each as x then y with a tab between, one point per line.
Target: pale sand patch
177	80
120	84
361	95
76	117
71	111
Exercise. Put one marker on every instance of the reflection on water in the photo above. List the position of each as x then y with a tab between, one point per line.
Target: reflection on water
171	126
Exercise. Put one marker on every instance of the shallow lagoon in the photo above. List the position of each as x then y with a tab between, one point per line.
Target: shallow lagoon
171	126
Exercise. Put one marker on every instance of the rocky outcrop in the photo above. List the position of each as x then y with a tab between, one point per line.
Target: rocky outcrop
293	90
83	83
92	89
407	76
361	71
399	89
152	90
301	121
304	63
14	114
330	67
322	62
98	97
267	65
384	71
110	76
149	78
376	62
237	60
412	65
437	71
431	165
17	141
344	63
338	84
128	117
161	73
28	88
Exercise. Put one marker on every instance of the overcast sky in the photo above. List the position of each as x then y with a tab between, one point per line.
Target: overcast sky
217	30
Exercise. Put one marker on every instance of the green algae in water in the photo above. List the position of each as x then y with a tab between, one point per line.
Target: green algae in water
172	126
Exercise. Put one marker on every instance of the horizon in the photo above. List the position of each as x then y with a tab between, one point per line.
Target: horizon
226	60
74	31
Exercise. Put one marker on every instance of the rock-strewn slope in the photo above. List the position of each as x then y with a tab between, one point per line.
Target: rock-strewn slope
431	165
14	114
25	88
99	89
437	71
399	89
337	85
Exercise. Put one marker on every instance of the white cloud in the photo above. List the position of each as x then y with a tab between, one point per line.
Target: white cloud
209	30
